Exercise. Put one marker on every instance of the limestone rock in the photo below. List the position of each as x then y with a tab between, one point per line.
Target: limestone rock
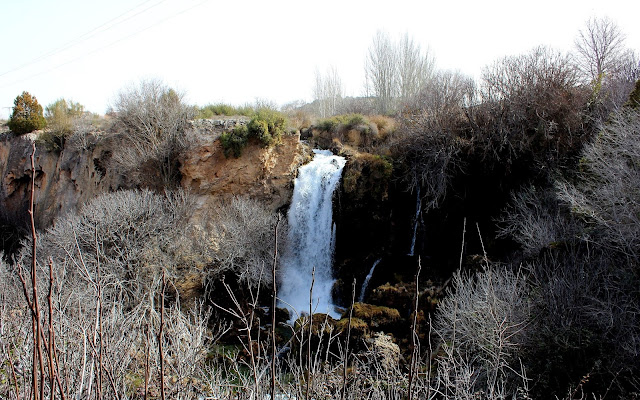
64	180
262	173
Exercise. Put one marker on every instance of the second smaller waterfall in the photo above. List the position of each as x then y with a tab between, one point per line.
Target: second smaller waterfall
366	280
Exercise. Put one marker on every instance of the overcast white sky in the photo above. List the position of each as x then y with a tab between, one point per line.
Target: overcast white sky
236	51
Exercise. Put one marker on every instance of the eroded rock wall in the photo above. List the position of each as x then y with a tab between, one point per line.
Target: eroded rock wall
265	174
67	179
64	180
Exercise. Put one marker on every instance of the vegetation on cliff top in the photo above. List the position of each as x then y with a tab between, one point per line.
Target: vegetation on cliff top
266	126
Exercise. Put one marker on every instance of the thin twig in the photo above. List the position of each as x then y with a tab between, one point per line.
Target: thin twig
160	336
13	373
414	336
484	252
464	230
146	361
346	346
273	309
309	372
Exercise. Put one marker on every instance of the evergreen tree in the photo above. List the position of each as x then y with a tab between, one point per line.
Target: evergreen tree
27	115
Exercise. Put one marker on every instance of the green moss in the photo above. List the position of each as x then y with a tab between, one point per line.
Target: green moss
370	312
358	326
367	174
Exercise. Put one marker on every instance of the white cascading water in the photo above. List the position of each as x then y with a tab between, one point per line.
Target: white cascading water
415	224
311	237
367	279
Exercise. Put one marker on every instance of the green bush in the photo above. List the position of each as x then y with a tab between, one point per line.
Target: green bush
235	141
342	123
328	125
259	129
213	110
51	141
353	120
61	116
266	125
27	115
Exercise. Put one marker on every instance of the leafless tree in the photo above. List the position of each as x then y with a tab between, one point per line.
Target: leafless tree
328	92
381	72
606	64
395	71
600	48
415	69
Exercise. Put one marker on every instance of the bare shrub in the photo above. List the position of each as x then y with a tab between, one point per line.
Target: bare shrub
536	220
606	193
241	231
101	301
428	139
126	234
586	307
429	156
152	119
531	110
482	325
87	130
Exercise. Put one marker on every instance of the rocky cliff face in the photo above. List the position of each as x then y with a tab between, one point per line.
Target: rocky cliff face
64	180
265	174
67	179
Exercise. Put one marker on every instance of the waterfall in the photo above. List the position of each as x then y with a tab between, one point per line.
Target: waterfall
367	279
415	224
311	236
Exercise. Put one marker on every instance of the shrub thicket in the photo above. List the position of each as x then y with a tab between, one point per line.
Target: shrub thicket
366	133
267	126
27	115
221	109
481	326
235	141
634	97
62	117
152	121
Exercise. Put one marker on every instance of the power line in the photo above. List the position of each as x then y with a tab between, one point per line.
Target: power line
86	36
103	47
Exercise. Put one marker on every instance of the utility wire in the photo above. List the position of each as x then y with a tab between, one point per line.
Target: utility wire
103	47
86	36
